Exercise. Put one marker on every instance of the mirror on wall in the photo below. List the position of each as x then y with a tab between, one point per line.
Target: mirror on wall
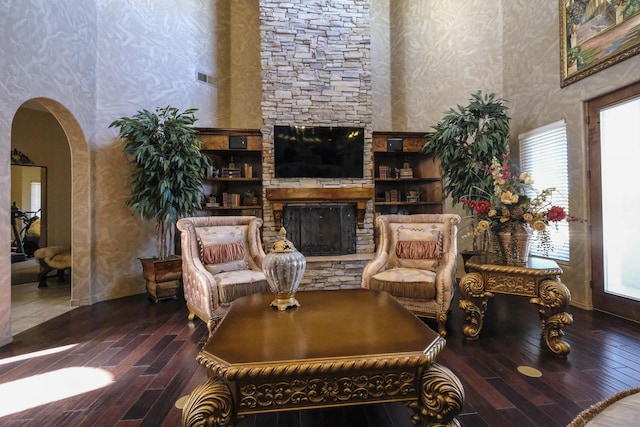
28	213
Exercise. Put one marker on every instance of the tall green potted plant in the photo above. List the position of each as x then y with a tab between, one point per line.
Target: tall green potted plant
167	170
465	141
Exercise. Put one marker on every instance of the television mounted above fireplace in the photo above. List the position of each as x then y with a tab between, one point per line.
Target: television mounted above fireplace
318	151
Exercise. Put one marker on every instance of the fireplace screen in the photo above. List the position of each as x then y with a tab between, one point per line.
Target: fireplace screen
323	229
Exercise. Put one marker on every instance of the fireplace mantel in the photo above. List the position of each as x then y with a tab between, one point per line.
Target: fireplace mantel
282	196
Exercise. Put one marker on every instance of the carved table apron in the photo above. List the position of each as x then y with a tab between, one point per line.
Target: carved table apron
338	348
538	279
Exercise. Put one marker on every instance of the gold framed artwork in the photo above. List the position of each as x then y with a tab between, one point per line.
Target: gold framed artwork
596	34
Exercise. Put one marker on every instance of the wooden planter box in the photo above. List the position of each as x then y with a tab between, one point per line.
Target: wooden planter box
162	277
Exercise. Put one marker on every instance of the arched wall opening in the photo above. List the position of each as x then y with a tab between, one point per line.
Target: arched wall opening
80	210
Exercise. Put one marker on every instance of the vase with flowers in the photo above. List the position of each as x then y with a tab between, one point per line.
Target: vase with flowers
516	213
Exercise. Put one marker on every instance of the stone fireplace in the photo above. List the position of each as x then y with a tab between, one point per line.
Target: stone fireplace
316	71
315	202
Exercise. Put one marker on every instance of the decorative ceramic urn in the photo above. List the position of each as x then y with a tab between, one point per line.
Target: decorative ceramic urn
284	267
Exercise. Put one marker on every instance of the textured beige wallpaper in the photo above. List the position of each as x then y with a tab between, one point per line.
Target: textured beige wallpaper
430	56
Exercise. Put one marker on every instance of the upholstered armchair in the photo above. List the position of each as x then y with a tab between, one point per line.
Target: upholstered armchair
221	261
415	262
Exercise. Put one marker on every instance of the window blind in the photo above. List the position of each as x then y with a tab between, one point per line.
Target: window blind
543	153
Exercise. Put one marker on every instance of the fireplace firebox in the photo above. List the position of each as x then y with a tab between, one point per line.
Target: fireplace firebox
321	229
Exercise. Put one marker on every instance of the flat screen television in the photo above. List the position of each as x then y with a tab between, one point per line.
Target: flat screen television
318	152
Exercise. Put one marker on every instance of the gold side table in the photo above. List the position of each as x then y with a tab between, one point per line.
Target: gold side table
539	279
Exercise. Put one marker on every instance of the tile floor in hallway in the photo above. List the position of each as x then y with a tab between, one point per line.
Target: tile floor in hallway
31	305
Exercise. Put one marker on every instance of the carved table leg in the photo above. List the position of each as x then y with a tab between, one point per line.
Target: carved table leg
210	405
553	299
441	396
474	303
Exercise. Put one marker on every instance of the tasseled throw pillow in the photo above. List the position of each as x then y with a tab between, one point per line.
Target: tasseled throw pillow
222	253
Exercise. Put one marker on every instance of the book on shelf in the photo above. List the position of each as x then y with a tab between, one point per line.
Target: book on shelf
406	173
391	196
230	173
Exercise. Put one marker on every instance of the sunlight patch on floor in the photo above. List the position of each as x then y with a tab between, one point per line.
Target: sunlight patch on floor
35	354
41	389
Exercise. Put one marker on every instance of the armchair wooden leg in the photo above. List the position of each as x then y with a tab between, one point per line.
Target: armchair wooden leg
441	318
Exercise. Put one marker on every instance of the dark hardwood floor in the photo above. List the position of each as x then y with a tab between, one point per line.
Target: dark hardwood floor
149	349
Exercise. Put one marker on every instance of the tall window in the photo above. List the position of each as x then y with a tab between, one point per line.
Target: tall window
36	190
543	153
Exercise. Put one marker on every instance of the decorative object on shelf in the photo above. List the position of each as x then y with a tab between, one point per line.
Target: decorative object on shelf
248	170
413	195
406	171
161	145
212	201
284	268
249	198
230	173
212	172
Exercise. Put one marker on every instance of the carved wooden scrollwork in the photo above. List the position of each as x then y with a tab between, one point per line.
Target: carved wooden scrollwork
472	285
474	303
553	299
210	405
512	285
553	296
325	390
440	399
553	333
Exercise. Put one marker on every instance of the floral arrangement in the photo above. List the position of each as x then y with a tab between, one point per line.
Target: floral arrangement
513	202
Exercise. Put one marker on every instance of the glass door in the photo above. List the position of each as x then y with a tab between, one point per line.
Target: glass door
614	150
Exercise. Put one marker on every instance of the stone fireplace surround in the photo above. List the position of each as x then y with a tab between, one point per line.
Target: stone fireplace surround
316	71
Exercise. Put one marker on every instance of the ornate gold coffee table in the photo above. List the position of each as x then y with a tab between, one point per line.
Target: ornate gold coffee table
538	279
343	347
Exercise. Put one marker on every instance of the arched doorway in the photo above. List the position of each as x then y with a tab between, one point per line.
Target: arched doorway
69	221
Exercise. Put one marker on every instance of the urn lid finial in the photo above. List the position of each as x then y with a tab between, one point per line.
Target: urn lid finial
283	244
